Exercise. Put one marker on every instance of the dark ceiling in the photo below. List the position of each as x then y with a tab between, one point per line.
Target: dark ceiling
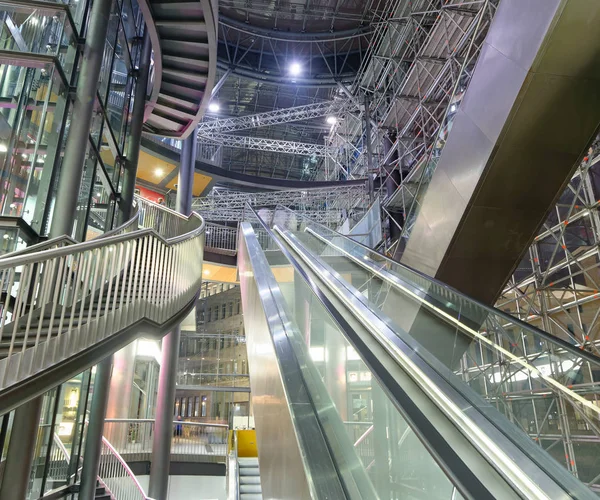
258	40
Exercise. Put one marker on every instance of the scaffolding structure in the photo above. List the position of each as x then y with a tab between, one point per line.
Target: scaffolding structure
421	61
556	287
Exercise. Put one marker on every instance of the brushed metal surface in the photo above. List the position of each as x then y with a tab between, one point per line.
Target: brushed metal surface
531	110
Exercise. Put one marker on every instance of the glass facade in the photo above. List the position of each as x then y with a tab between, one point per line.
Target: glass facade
39	62
41	53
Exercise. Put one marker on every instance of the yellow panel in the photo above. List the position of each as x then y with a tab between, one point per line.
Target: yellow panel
200	183
218	272
153	169
284	274
246	441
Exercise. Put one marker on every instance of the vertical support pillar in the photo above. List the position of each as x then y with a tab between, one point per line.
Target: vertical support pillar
21	449
370	169
71	171
93	442
185	180
165	402
121	382
135	134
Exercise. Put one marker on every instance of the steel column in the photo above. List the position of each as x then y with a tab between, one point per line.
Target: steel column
165	401
370	169
21	449
135	132
71	171
121	382
163	423
93	442
185	181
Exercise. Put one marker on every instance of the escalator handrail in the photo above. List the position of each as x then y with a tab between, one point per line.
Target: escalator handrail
522	361
593	358
435	374
457	471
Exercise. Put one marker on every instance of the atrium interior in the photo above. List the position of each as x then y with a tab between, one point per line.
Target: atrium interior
299	249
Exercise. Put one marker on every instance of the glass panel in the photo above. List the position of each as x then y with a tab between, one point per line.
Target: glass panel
396	461
38	30
511	365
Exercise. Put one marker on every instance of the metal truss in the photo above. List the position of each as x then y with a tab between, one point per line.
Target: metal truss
263	144
276	117
326	205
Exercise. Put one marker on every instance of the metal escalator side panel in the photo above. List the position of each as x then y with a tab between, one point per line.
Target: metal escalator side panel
531	110
432	377
297	453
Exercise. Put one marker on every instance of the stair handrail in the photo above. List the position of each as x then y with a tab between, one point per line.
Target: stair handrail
116	476
66	240
151	274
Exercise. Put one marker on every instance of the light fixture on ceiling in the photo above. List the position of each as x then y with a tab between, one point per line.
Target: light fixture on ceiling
206	272
332	120
24	156
3	148
295	69
159	172
98	195
214	107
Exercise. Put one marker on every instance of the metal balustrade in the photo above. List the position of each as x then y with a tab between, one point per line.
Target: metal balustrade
116	476
57	303
221	239
134	437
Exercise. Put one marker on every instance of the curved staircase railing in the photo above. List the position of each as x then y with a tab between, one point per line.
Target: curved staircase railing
62	308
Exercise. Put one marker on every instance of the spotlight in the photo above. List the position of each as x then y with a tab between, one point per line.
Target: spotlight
295	69
332	120
214	107
158	172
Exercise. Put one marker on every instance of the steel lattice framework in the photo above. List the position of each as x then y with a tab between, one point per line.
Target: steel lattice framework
326	205
276	117
262	144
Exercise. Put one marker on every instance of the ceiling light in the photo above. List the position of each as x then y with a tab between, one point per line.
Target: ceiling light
332	120
158	172
206	272
295	69
453	108
3	148
213	107
41	160
98	195
24	156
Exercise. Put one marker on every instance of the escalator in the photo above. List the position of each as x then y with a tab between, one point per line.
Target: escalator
64	306
370	380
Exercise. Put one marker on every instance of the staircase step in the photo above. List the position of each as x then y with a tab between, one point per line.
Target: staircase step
249	471
248	462
250	488
250	480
